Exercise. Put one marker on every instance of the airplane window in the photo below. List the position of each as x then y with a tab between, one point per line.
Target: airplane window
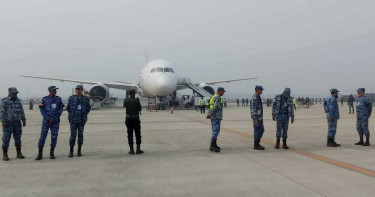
153	70
172	70
166	70
159	70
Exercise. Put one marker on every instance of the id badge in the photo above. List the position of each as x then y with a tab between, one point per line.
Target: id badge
54	106
79	107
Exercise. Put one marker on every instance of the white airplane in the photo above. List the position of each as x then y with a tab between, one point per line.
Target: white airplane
157	79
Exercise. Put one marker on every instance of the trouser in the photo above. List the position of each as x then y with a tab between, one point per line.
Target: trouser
44	132
282	127
332	126
215	128
133	124
351	108
74	129
258	130
294	105
362	127
14	128
203	109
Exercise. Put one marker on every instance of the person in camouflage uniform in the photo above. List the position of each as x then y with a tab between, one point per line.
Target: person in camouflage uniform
11	115
78	108
256	108
364	109
333	114
51	109
216	115
282	110
351	104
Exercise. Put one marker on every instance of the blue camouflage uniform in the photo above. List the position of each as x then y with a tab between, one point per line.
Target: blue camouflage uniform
351	103
50	108
12	113
282	110
332	112
256	109
364	109
216	113
78	109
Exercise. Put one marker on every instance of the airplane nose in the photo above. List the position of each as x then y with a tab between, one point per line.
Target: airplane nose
164	84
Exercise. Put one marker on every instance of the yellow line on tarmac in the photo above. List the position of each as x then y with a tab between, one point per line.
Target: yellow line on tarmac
300	152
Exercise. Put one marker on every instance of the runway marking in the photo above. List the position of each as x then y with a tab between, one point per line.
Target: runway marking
300	152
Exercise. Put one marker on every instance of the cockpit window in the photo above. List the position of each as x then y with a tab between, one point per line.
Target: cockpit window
167	70
153	70
172	70
159	70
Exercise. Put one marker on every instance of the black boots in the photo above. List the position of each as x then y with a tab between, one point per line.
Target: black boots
52	153
360	140
277	146
257	145
40	154
331	142
71	151
214	147
367	143
79	153
285	146
139	151
131	152
5	154
19	153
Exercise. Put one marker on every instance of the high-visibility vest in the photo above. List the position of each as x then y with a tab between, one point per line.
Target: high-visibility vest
212	101
202	103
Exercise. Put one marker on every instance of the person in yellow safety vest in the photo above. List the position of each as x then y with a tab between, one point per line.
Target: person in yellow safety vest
216	115
202	104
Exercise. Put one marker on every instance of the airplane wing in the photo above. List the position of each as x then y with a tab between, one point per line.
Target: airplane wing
228	81
127	86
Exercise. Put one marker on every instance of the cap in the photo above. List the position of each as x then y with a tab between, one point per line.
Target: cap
132	92
334	90
287	90
79	87
361	89
257	87
221	89
52	88
12	90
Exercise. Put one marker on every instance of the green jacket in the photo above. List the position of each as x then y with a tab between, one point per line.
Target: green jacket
133	107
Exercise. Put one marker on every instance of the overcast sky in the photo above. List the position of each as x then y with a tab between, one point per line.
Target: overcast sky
310	46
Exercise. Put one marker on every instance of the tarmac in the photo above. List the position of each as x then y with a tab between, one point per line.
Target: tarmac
177	161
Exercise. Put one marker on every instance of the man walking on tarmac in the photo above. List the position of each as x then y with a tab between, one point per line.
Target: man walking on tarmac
216	115
256	108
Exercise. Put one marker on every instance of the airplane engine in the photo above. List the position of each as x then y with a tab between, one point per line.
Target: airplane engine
208	88
99	93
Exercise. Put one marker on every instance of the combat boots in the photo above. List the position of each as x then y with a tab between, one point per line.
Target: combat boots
79	153
217	145
139	151
257	145
285	146
19	153
330	142
213	148
360	140
131	152
277	146
5	154
52	153
40	154
71	151
367	143
334	142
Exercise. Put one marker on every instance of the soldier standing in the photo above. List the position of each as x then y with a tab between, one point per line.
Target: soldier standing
351	104
364	109
238	102
11	115
78	108
256	109
133	123
247	102
51	109
216	115
31	104
282	110
243	102
333	114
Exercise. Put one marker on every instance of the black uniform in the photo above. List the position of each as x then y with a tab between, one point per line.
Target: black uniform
133	108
